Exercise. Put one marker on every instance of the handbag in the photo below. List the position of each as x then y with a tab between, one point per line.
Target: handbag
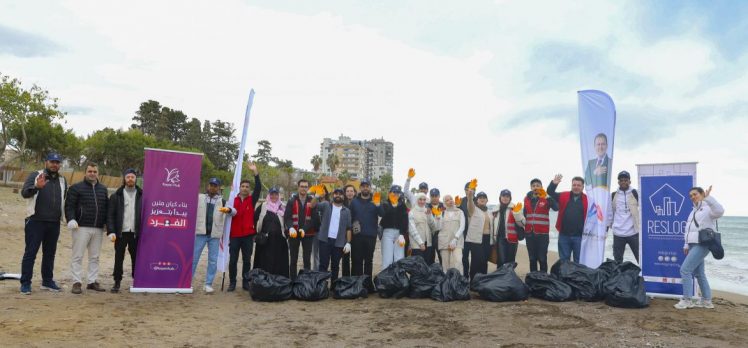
494	257
711	239
261	238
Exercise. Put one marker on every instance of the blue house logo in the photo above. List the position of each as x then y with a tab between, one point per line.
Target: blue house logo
667	201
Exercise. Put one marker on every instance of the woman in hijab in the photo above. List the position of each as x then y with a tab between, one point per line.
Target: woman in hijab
272	254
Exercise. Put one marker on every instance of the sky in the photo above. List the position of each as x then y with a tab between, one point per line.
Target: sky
483	89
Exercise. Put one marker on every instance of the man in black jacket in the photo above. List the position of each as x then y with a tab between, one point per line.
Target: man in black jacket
298	220
123	223
86	213
44	191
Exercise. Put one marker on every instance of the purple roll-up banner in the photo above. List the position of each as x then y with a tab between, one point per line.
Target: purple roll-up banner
171	184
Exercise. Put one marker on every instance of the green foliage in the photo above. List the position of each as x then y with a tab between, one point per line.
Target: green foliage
383	183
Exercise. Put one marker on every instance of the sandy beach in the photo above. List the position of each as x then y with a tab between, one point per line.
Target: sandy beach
232	319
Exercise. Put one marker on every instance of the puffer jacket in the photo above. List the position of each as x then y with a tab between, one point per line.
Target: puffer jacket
704	215
87	204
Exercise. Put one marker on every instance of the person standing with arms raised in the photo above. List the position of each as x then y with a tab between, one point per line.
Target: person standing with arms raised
572	211
243	229
537	213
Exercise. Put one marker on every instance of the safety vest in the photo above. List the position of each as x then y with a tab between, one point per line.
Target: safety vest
510	233
538	220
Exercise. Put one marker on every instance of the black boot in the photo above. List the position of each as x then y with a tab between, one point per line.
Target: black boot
232	286
115	288
245	284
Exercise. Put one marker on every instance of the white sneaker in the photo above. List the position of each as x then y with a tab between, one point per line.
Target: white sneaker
208	289
684	304
705	304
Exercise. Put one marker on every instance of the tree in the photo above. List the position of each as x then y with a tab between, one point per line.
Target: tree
222	147
345	176
170	125
332	162
117	150
316	162
193	135
383	183
264	152
147	117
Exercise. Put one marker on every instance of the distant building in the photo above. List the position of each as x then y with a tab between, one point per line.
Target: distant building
361	158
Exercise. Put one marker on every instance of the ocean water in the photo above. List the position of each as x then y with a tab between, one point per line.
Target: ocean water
729	274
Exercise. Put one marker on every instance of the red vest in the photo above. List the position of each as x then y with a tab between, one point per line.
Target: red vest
538	220
563	201
511	230
243	223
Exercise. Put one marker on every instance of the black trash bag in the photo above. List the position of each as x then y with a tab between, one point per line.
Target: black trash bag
421	286
392	282
352	287
416	266
453	287
501	285
627	291
546	287
311	285
610	285
586	282
267	287
610	267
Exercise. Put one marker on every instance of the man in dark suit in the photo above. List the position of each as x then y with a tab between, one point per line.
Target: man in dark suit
596	174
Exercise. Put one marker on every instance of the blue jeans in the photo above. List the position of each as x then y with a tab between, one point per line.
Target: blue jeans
568	245
200	241
693	266
40	234
391	251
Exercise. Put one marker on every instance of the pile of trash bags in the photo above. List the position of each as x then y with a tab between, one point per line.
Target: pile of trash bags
350	288
267	287
413	278
500	286
311	285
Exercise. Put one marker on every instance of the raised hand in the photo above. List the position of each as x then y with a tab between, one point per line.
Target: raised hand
458	201
393	199
411	173
473	184
41	181
708	191
253	167
436	211
557	179
517	207
377	198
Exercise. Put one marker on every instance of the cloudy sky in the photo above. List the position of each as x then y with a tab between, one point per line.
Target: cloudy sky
482	89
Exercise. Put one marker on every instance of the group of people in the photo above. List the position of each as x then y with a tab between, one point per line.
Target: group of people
342	227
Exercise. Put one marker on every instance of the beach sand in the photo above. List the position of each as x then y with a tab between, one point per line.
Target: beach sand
232	319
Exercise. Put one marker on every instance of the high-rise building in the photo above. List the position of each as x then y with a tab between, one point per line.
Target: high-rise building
361	158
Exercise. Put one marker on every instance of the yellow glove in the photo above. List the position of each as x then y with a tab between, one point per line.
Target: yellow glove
473	184
393	198
541	193
411	173
224	210
377	199
292	232
517	208
436	211
301	233
113	237
458	201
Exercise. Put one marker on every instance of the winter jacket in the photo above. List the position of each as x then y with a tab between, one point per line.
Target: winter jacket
116	212
632	202
514	223
325	210
87	204
367	214
243	212
569	220
704	215
47	204
394	217
219	218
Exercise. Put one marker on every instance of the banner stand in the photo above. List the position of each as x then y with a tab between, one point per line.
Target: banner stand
161	290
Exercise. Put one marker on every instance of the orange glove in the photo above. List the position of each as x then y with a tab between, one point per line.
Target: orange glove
411	173
517	207
541	193
292	232
377	199
436	211
458	201
224	210
301	233
393	198
473	184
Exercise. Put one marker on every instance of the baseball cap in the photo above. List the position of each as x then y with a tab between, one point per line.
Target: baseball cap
434	192
423	185
53	156
467	184
505	192
273	190
396	189
624	174
481	195
214	181
338	190
365	182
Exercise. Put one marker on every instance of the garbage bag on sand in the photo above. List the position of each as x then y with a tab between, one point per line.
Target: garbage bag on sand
546	287
350	287
422	285
586	282
267	287
311	285
453	287
626	290
392	282
501	285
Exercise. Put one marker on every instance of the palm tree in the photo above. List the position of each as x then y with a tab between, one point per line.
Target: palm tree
332	162
316	162
345	176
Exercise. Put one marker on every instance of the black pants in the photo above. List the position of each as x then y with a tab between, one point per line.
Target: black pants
435	240
126	242
243	244
537	251
507	252
362	248
619	246
306	245
478	257
347	263
466	260
44	234
329	255
428	254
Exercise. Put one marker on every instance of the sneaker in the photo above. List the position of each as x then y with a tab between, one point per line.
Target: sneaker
705	304
51	286
95	287
208	289
684	304
26	289
232	287
76	288
115	288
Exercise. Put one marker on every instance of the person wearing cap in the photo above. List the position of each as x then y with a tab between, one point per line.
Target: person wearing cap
508	225
123	223
434	202
209	223
451	238
335	233
272	255
572	210
365	215
241	238
422	224
298	221
394	226
537	212
45	191
478	239
86	209
625	218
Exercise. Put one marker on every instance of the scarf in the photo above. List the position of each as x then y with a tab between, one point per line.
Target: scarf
276	207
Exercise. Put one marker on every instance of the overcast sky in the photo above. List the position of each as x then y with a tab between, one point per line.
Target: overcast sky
482	89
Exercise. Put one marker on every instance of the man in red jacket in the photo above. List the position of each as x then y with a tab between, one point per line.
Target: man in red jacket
243	229
572	210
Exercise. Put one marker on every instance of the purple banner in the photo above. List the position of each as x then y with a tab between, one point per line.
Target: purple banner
171	184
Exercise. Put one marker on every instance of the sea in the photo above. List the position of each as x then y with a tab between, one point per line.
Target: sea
729	274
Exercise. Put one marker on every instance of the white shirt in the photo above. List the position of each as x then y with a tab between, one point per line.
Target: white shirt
128	220
623	221
334	222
